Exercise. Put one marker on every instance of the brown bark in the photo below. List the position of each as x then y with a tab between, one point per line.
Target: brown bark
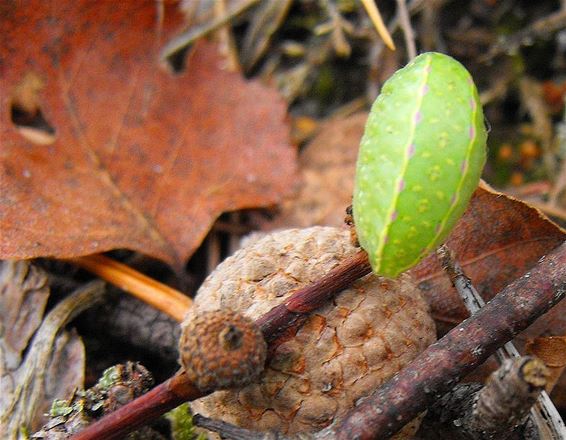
499	410
504	403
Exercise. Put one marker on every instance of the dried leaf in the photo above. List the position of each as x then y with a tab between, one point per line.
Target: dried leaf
265	22
23	296
140	158
53	363
327	167
497	240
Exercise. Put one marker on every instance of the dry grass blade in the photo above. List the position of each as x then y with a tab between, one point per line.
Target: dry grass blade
265	22
190	35
377	21
158	295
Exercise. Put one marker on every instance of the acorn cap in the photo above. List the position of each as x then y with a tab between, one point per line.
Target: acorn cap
342	352
221	349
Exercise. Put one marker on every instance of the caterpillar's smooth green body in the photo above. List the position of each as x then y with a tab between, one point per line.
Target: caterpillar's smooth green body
420	160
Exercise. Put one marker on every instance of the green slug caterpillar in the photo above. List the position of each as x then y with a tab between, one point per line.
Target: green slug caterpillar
420	160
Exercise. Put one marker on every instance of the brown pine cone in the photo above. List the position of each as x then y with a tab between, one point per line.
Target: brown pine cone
344	350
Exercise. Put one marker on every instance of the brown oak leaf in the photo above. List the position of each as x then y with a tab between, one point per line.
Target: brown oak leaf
103	146
498	239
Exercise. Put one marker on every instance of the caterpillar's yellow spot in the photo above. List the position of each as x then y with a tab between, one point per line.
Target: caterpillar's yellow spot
423	205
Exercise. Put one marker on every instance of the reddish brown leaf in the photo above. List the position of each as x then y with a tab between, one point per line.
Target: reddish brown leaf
497	240
141	158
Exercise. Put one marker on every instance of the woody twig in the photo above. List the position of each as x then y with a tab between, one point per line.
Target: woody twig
544	413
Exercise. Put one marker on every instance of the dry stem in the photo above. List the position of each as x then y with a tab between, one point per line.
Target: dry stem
544	413
158	295
405	21
504	403
377	21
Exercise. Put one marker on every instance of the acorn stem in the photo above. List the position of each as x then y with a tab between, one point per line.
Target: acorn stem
308	298
156	294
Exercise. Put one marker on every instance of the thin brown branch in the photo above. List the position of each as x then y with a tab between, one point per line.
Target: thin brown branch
310	297
178	389
158	295
461	350
544	413
498	410
405	21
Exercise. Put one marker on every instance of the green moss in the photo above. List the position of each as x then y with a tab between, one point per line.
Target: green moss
182	427
109	377
60	407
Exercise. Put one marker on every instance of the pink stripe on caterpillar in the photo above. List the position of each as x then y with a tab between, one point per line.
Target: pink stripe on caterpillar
411	150
418	117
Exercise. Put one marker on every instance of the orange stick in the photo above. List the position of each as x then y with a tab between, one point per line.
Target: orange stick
158	295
